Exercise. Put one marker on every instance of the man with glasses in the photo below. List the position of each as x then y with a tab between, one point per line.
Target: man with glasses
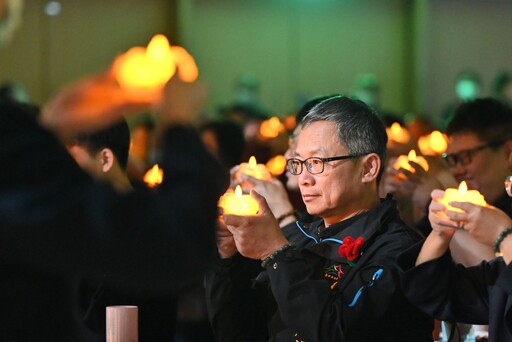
479	150
334	279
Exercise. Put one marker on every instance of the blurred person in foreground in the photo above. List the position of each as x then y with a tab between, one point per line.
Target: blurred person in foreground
58	222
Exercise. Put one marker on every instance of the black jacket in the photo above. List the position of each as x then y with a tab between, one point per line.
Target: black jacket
57	223
475	295
313	294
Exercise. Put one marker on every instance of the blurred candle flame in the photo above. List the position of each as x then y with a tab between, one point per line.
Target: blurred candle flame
154	176
398	133
152	67
271	128
402	162
253	169
276	165
433	144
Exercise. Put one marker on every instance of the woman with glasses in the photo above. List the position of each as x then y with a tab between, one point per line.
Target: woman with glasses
336	278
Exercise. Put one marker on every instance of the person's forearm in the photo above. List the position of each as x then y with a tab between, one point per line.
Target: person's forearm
434	247
468	251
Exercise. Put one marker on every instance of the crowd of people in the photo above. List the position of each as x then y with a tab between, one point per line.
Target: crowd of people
345	246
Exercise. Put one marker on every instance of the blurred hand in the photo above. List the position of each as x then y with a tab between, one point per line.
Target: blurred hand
256	236
225	241
416	186
181	102
93	103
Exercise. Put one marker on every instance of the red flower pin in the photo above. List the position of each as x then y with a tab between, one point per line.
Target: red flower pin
350	249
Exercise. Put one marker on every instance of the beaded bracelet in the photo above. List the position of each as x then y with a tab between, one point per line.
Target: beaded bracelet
500	239
271	257
285	215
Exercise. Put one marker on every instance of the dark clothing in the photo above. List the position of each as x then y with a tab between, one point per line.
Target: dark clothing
475	295
311	293
57	223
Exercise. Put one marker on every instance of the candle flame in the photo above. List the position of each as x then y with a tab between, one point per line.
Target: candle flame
438	142
290	122
154	176
463	187
238	191
276	165
271	128
411	155
398	133
252	162
152	67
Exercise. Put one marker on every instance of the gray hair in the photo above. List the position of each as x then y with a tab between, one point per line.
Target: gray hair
359	127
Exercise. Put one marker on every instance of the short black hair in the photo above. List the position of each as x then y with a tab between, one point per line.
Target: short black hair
115	138
487	118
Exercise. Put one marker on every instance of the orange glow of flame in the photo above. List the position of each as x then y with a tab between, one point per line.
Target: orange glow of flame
433	144
276	165
403	162
463	187
238	191
290	122
438	142
271	128
398	134
252	162
154	176
152	67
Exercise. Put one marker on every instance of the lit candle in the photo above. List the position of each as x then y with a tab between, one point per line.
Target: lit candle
237	203
276	165
403	162
433	144
271	128
253	169
148	68
462	194
398	134
154	176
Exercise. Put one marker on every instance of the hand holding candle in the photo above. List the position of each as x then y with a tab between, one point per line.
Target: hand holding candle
462	194
253	169
398	133
402	162
237	203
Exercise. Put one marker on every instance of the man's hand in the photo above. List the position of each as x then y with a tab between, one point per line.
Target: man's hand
256	236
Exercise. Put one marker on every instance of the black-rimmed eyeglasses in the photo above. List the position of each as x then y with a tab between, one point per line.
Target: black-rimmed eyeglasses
314	165
465	157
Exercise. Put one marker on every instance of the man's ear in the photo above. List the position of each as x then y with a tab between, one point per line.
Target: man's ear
106	159
371	167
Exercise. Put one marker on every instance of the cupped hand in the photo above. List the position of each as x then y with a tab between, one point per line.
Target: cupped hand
441	224
484	223
256	236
